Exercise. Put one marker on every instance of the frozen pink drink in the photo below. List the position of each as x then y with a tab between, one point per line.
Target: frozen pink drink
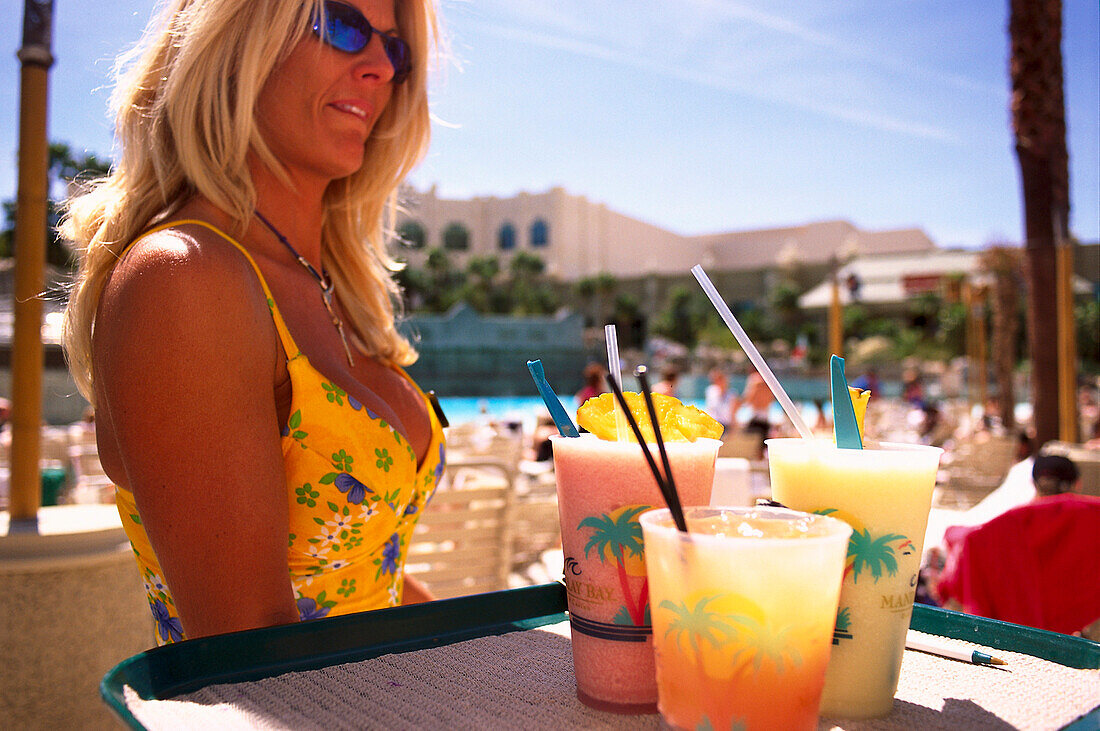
603	487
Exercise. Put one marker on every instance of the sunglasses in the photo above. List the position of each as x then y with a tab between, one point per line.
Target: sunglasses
344	28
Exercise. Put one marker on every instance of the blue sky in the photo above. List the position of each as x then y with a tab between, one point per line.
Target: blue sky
696	115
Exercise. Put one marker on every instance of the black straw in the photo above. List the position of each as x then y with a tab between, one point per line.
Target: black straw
674	506
670	499
642	374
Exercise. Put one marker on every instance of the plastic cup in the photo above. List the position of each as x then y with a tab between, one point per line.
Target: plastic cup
603	487
743	611
884	494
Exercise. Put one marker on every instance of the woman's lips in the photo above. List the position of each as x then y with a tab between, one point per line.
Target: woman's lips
356	108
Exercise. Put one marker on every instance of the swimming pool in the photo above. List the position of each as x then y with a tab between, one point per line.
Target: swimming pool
525	409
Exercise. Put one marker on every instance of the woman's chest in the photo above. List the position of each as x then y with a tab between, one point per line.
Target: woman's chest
382	390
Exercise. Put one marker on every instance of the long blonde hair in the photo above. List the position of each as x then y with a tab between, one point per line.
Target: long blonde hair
184	103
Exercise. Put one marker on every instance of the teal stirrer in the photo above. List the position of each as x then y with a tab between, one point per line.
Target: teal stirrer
557	411
845	425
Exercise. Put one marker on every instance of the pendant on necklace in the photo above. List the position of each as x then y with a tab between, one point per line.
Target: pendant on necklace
326	297
328	287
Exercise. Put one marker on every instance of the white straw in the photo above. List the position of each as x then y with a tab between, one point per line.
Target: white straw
752	352
611	336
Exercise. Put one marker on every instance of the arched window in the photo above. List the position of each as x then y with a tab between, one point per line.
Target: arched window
540	233
412	234
506	237
456	237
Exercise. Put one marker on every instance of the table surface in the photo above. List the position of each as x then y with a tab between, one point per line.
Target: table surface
512	668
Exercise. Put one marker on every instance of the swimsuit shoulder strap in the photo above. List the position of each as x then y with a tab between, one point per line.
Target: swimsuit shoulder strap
289	345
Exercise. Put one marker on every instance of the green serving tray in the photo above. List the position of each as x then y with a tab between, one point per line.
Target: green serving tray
171	670
168	671
1074	652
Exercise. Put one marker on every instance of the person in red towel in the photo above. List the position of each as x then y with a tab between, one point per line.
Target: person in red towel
1037	564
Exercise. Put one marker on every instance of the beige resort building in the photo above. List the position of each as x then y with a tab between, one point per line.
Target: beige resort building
578	238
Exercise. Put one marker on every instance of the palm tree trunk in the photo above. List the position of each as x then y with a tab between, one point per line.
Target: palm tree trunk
1038	111
1003	264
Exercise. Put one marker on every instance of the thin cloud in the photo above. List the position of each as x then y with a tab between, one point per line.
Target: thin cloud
722	82
708	15
732	11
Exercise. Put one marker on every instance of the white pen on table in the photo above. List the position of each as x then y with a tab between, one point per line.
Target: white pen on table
943	649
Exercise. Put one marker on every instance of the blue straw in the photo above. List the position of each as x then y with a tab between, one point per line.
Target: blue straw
557	411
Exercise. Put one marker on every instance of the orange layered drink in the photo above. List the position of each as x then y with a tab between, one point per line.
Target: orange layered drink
743	609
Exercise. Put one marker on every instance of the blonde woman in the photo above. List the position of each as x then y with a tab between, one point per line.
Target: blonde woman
233	322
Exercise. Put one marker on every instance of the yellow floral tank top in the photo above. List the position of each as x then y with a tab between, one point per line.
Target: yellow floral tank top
353	487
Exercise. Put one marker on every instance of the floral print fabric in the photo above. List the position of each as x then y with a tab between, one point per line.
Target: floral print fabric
354	492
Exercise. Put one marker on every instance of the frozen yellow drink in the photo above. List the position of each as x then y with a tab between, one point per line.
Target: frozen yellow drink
884	494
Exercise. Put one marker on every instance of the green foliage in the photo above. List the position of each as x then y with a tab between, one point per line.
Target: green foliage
627	306
629	320
924	312
591	295
931	328
483	268
684	317
1087	316
535	299
526	266
439	285
855	321
605	282
585	288
7	236
529	292
783	298
715	334
478	290
444	279
64	169
951	330
907	342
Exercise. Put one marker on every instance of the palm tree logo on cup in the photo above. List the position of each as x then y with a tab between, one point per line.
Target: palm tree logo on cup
617	538
866	554
736	630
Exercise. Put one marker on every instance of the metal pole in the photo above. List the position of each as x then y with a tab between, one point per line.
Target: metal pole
1067	345
971	348
836	319
30	257
980	338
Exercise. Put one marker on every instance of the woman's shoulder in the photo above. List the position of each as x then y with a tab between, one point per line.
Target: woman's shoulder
184	283
187	264
188	250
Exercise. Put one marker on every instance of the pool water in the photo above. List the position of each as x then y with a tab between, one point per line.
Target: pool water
525	409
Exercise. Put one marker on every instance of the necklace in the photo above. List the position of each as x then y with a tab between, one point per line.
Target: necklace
328	289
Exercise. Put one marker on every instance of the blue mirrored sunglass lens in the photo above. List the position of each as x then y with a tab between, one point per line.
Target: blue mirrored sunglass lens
346	37
345	28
